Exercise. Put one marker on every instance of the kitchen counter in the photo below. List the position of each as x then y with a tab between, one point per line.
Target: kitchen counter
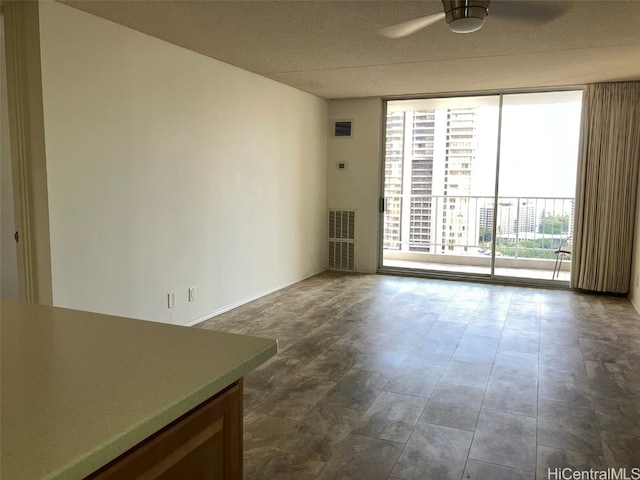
79	389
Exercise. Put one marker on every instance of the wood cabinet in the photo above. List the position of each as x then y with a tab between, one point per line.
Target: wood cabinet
203	444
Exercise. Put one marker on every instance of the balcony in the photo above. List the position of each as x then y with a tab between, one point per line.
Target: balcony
455	234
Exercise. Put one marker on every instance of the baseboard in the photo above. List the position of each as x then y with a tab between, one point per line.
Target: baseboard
244	301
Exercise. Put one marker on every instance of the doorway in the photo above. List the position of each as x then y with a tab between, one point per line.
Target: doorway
481	186
9	284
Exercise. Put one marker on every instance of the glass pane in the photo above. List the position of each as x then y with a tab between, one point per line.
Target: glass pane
440	169
538	158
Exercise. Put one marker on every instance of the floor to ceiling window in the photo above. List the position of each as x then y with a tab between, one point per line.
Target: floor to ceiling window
481	185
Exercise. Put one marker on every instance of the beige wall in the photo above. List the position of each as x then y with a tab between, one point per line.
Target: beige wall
357	187
168	169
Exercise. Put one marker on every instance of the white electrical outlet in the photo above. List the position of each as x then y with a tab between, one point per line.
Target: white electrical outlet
192	294
171	300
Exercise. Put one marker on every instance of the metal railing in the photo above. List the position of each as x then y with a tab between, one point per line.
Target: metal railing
524	227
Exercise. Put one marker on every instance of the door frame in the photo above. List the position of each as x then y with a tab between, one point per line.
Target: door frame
28	160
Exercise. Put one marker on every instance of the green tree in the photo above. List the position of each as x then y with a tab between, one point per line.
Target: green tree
539	248
553	224
484	236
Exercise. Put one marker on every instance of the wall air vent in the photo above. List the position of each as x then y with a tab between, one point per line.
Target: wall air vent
342	128
341	248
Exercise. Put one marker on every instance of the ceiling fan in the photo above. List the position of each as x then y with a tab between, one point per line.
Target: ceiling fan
466	16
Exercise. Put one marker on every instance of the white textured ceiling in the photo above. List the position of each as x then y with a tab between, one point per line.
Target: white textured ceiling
331	48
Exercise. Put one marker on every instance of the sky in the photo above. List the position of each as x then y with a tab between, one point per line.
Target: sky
538	141
539	147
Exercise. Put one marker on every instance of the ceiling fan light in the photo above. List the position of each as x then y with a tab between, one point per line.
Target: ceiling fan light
465	16
466	25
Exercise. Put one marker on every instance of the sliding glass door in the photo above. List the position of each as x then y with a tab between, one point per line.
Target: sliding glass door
536	188
480	185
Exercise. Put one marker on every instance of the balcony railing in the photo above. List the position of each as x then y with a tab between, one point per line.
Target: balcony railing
524	227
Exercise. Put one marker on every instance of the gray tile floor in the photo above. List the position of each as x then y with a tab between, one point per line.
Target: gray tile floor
382	377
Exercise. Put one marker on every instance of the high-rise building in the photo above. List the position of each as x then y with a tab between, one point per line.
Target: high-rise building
458	221
527	218
422	142
394	154
428	165
516	216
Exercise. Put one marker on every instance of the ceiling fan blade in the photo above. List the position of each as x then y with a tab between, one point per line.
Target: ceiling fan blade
407	28
536	12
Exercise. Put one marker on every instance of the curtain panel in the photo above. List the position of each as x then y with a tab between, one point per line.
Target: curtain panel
606	188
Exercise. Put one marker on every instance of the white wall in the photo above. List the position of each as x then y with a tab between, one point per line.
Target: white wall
168	169
634	292
358	187
8	258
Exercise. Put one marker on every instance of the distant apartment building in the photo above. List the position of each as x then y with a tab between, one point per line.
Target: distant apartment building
420	183
527	216
428	165
393	164
514	216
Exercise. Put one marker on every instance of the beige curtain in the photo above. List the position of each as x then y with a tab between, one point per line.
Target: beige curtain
606	188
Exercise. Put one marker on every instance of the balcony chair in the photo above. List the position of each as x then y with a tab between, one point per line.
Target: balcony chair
563	250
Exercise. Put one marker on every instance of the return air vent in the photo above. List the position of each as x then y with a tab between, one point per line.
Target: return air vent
342	128
341	229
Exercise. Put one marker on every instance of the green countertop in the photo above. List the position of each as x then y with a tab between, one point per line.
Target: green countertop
78	388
